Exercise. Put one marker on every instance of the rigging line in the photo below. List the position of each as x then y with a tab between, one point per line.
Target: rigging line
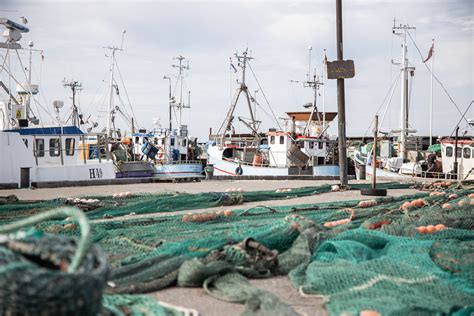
34	99
463	116
435	77
394	86
96	92
4	60
264	96
395	81
126	92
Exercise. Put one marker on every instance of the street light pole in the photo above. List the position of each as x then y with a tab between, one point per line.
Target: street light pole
341	101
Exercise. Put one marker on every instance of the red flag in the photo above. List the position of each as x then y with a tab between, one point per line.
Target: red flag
430	53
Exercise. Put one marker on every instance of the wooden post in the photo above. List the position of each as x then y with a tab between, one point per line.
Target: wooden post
341	109
374	148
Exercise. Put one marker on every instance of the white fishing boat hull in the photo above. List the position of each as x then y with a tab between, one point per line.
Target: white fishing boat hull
224	167
178	170
20	167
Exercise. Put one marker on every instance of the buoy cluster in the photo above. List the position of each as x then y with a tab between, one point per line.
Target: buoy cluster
430	228
122	195
367	203
205	217
341	221
81	201
282	190
442	184
234	190
415	204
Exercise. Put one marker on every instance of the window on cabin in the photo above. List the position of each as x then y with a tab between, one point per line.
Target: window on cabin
282	140
70	143
54	147
310	145
272	140
172	141
39	147
320	145
449	151
137	140
458	152
184	142
467	152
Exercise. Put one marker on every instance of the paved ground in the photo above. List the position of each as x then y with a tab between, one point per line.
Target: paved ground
195	298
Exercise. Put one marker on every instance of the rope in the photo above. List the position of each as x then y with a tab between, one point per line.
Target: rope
84	242
436	78
264	96
126	93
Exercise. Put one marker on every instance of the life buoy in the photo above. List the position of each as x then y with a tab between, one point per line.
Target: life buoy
239	171
161	152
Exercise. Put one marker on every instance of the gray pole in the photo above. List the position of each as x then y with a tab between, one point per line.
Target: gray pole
341	101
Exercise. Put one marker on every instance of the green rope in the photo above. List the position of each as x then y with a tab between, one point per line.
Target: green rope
84	242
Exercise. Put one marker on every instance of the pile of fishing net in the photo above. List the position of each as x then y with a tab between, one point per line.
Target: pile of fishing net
356	255
122	204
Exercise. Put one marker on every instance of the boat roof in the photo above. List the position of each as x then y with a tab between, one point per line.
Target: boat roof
52	130
304	116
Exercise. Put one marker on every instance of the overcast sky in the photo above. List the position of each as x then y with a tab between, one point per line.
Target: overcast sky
73	33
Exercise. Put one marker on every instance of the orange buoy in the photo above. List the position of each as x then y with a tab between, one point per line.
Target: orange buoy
257	160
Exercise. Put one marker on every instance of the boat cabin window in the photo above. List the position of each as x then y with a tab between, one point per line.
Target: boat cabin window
449	151
184	142
70	142
54	147
282	140
25	141
137	140
264	141
311	145
320	145
172	141
467	152
458	152
39	147
272	140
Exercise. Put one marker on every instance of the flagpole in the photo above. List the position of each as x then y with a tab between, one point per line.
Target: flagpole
324	91
431	94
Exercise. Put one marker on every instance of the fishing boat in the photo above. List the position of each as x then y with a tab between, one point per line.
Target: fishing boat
404	156
34	153
300	147
172	153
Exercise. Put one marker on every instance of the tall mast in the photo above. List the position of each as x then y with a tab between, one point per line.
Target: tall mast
314	84
401	30
226	125
431	93
181	67
75	86
110	109
28	102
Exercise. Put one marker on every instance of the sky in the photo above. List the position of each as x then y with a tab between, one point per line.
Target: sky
72	35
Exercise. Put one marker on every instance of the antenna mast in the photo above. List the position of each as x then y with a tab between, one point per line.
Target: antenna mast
110	109
181	104
314	84
75	86
401	30
252	125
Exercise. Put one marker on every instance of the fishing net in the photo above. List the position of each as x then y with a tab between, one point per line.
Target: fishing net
357	256
107	206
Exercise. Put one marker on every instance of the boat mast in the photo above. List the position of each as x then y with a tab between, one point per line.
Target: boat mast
75	86
431	93
401	30
181	104
314	84
226	125
110	109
